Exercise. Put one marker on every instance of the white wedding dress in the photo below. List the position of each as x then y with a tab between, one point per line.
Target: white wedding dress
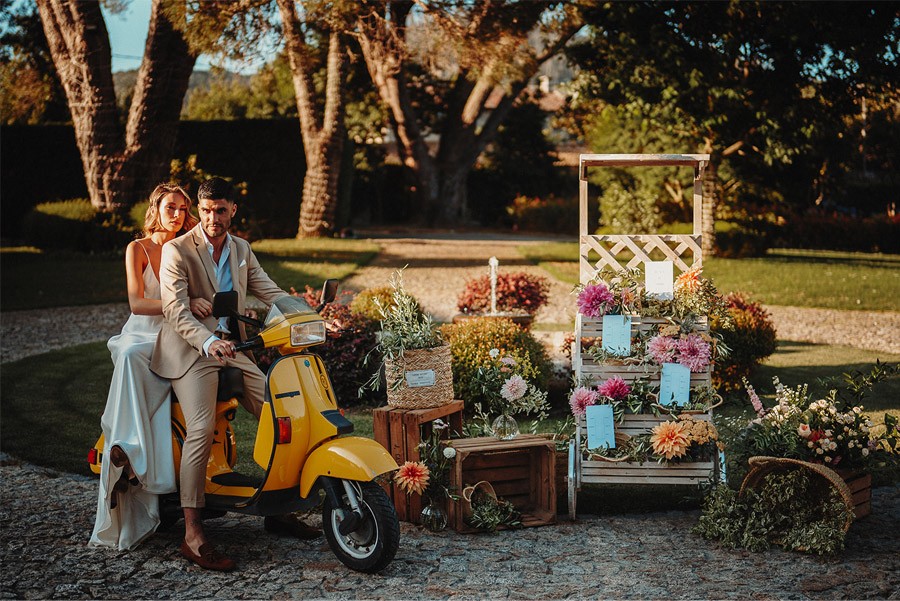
136	418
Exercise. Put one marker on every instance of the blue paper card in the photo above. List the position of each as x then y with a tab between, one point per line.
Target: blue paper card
617	334
674	384
601	430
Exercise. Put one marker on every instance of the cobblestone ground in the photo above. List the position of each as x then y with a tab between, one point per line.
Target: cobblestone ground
46	517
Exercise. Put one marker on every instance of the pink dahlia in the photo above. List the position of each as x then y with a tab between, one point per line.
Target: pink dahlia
594	299
581	399
614	388
514	388
661	349
693	352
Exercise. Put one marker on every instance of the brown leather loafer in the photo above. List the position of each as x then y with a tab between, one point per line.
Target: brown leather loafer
290	525
208	558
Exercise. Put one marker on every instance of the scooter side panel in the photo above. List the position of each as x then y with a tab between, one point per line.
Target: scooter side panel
348	458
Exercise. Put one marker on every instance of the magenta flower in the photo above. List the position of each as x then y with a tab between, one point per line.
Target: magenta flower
614	388
693	352
581	399
594	300
661	349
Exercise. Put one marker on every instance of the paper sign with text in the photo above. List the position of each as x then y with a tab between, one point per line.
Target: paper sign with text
601	430
660	279
674	384
617	334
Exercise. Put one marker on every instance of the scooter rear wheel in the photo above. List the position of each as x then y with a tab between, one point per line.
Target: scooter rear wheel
372	545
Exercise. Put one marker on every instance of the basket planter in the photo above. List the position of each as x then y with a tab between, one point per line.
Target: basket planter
854	488
420	379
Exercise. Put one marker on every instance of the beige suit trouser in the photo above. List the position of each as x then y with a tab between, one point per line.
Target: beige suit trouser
196	391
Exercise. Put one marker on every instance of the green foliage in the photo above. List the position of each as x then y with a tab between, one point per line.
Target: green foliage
519	292
471	342
793	509
75	225
369	302
749	334
489	513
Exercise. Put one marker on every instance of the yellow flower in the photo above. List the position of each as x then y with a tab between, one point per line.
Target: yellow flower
670	440
412	477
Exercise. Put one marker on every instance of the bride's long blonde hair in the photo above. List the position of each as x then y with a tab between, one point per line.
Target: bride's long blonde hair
151	218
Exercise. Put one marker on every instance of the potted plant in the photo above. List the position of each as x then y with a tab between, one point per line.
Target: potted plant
517	296
415	357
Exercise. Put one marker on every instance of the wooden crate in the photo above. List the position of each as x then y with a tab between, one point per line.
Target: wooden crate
400	431
521	470
860	486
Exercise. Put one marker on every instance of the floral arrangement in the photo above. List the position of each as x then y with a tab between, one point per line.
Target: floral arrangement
430	476
833	430
518	292
506	391
638	396
684	438
611	293
489	513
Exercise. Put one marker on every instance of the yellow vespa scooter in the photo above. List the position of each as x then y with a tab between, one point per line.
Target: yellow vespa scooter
300	443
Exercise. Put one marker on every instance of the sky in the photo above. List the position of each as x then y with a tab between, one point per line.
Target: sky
128	34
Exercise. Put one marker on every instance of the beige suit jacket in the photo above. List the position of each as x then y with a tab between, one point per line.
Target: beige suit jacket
187	271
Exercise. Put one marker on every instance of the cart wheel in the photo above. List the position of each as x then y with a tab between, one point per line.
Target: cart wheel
573	490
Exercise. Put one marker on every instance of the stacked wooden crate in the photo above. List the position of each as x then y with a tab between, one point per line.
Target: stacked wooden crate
618	252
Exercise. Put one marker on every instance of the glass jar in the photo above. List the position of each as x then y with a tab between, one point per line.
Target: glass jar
505	427
434	518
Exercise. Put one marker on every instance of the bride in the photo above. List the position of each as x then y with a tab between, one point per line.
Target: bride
137	461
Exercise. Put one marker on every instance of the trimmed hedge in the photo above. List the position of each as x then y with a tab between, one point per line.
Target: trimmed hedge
75	224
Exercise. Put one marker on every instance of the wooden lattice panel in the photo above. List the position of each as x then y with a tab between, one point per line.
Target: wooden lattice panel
683	250
585	366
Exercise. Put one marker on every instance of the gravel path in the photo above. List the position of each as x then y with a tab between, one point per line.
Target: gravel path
45	519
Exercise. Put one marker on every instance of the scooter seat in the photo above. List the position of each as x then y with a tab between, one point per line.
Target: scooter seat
231	384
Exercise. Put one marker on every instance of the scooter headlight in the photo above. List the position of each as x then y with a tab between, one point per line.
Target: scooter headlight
304	334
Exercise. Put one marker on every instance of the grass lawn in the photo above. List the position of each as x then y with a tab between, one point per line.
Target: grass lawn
32	279
823	279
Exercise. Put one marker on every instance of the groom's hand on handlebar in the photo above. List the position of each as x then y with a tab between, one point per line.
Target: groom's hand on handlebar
220	349
200	307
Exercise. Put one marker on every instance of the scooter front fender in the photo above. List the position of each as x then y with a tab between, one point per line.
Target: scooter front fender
347	458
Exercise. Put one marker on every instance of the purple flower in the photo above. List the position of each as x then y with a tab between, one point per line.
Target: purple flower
693	352
614	388
581	399
594	299
661	349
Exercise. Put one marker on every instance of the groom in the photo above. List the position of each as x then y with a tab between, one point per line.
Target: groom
191	349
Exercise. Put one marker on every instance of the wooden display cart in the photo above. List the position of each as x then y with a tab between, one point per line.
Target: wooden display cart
610	251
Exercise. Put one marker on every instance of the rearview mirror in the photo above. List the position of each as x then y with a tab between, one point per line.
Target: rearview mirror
329	291
225	304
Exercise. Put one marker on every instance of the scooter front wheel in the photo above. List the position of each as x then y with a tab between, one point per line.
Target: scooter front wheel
374	541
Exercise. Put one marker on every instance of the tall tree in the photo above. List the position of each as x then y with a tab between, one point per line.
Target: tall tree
436	64
121	164
765	87
313	35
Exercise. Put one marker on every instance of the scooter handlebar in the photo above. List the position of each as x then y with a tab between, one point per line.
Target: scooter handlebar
249	345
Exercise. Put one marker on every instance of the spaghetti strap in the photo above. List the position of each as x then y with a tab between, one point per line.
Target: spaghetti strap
145	251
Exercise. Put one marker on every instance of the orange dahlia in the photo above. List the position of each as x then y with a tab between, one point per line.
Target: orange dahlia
670	439
412	477
690	281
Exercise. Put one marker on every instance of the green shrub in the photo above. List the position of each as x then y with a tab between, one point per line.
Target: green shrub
471	342
750	336
364	303
833	231
75	225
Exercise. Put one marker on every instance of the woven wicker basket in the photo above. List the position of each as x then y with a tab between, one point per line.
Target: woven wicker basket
403	396
468	492
760	467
